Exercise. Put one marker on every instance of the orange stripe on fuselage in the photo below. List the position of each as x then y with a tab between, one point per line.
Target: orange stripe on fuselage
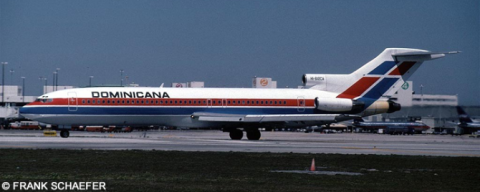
402	68
358	88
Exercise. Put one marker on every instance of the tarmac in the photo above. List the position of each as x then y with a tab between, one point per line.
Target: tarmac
275	142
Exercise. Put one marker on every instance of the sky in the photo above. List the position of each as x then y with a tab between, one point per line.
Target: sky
226	43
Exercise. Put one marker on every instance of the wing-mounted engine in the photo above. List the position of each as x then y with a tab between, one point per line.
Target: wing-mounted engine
339	105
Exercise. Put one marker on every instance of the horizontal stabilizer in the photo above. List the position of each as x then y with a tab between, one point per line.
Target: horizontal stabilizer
420	55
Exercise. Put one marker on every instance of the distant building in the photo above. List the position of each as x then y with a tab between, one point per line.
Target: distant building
51	88
191	84
13	94
196	84
263	82
406	97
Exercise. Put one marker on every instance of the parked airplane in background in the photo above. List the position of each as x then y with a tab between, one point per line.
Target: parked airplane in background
326	99
466	122
409	127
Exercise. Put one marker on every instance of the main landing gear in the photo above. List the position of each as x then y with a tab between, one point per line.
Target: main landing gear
251	134
64	133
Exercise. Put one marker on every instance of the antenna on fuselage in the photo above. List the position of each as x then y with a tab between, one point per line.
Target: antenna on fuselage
161	86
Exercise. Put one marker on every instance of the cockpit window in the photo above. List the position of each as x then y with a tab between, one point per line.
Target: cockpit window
44	100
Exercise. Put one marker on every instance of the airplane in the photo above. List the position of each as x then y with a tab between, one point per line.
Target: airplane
416	127
466	122
326	98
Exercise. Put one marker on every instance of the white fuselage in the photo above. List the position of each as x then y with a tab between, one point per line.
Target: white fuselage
165	106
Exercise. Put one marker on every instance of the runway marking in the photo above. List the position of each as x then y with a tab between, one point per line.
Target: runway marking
409	151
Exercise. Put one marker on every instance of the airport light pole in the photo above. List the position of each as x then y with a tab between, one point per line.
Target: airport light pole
56	80
23	89
3	80
11	76
121	77
53	81
44	79
90	84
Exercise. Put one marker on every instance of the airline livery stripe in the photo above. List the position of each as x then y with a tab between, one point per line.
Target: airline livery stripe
358	88
402	68
173	102
383	68
379	89
161	110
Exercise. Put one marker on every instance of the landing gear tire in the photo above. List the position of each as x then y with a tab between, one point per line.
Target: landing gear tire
64	134
236	134
254	135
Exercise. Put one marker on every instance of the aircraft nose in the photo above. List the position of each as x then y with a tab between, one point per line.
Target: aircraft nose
27	113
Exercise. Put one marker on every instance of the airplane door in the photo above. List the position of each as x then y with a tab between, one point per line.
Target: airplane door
209	103
72	101
301	104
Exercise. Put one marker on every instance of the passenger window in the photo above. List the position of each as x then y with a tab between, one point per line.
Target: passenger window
83	101
271	102
93	101
243	102
146	101
108	102
262	102
233	102
248	102
284	102
190	102
88	101
275	102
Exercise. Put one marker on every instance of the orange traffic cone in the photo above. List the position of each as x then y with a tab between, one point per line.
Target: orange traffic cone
312	167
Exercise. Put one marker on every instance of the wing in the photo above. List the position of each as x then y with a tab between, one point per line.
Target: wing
253	118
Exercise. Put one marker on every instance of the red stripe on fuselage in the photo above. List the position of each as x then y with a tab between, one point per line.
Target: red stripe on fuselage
402	68
358	88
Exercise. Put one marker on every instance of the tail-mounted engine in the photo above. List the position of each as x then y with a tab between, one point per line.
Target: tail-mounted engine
382	107
338	105
349	106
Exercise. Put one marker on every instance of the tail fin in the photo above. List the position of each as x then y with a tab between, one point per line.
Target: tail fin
463	116
383	75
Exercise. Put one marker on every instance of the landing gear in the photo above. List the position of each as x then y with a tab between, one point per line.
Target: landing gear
64	133
253	134
236	134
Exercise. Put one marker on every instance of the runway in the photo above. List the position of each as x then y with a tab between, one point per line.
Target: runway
275	142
